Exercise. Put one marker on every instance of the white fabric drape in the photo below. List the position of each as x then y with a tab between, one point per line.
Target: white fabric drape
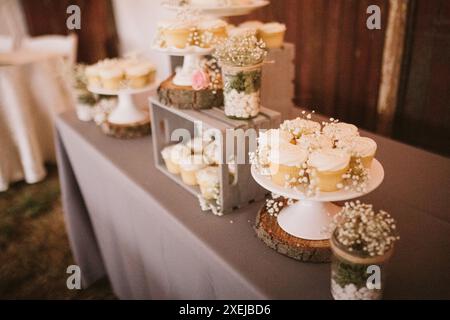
30	96
12	20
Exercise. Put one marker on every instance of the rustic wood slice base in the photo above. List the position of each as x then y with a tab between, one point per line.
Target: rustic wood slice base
127	131
184	97
268	230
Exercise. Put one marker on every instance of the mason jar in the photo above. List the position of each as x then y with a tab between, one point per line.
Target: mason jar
242	91
357	276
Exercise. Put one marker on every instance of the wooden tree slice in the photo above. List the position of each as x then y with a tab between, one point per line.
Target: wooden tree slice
268	230
127	131
184	97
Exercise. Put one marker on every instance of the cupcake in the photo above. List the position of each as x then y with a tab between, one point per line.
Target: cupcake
111	77
299	127
212	153
209	181
176	34
211	31
273	34
271	138
360	148
189	166
340	130
286	161
92	74
252	24
140	74
314	141
197	145
172	156
328	166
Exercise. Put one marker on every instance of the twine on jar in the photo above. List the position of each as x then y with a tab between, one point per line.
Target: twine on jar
358	259
245	68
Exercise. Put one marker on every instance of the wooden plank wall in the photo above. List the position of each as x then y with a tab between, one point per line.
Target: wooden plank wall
97	37
338	60
423	112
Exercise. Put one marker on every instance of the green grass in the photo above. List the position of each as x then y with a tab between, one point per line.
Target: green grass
34	249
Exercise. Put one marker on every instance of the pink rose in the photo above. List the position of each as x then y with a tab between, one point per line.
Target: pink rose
200	80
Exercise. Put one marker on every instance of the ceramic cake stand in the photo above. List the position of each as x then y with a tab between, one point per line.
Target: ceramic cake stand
225	11
304	222
126	120
192	58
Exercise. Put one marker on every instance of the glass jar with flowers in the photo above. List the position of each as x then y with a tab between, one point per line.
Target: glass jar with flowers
241	58
362	242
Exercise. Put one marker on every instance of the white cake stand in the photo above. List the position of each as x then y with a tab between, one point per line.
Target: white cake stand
192	58
225	11
126	111
310	216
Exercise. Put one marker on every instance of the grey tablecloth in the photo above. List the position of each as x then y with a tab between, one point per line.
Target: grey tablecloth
126	219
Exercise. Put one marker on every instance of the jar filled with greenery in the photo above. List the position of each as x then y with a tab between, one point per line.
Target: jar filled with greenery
362	242
241	58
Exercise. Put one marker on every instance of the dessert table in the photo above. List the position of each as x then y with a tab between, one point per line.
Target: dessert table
127	220
32	90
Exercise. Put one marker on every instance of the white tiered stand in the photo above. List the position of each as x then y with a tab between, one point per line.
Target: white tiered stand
309	217
126	111
193	55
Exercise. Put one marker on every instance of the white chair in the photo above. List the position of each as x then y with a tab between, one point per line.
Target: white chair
6	44
64	45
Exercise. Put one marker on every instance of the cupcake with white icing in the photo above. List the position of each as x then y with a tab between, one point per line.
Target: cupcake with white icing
197	145
140	74
93	75
209	181
271	139
362	148
176	33
273	34
173	155
111	77
189	166
314	141
328	166
211	31
212	153
286	161
340	130
299	127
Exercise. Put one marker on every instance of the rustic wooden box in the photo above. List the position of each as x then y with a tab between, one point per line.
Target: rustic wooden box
234	194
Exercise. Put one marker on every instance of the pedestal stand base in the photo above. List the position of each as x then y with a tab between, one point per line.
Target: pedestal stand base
269	231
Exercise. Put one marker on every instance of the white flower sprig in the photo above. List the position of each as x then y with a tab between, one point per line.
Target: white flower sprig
241	51
358	228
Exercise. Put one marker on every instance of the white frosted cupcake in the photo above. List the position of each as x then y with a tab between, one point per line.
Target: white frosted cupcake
299	127
252	24
328	167
197	145
92	74
212	153
211	32
273	34
172	156
176	33
314	141
189	167
140	74
209	181
286	161
362	148
340	130
271	138
111	77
